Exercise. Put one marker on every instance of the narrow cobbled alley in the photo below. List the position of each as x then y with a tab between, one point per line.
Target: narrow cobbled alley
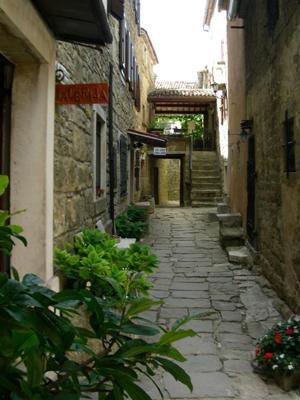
194	276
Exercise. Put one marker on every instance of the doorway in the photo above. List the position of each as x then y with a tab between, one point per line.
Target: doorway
251	176
6	81
168	178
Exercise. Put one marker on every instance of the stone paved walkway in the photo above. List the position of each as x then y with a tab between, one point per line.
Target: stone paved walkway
195	276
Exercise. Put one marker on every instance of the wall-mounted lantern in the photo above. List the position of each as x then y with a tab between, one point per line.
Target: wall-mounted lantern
215	87
246	129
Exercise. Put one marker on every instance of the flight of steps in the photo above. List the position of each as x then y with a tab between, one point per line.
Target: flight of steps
206	179
232	236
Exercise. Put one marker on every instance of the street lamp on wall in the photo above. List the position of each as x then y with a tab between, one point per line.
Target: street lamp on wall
246	129
215	87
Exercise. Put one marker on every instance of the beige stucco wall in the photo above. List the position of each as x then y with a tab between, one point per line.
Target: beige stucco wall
28	44
237	152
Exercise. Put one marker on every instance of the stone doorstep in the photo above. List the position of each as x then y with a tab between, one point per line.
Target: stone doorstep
239	255
230	219
231	233
223	208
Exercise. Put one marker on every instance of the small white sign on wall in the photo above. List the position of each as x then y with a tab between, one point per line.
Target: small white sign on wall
159	151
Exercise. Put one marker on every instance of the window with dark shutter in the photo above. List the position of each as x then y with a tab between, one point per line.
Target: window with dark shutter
289	144
138	16
137	90
116	8
123	165
132	72
128	56
122	45
272	13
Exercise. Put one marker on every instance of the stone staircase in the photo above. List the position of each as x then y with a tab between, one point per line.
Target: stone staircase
206	179
232	236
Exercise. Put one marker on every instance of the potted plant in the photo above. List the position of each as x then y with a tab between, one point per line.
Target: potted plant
278	354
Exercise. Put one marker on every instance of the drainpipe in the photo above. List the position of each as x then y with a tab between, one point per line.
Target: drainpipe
111	151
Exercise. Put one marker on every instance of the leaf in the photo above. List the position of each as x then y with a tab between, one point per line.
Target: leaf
177	372
187	318
32	280
4	181
134	391
34	365
15	273
141	330
118	288
142	304
173	336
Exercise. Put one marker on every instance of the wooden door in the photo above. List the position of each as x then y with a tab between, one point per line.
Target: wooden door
6	80
251	191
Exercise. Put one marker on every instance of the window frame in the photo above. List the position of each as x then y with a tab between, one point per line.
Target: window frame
99	114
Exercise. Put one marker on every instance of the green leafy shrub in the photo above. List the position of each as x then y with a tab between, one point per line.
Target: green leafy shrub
8	232
136	213
40	339
39	342
95	261
129	229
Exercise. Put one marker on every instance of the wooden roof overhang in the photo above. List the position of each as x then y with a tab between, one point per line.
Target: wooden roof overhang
181	104
149	138
82	21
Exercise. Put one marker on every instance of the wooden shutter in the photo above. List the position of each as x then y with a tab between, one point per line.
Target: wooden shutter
123	165
128	56
137	90
132	72
138	16
116	8
122	45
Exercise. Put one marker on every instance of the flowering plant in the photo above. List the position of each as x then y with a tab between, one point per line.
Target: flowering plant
279	350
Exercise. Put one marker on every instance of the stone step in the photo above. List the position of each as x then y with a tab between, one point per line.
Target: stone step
239	255
230	220
197	203
205	173
206	179
207	185
232	236
204	154
223	208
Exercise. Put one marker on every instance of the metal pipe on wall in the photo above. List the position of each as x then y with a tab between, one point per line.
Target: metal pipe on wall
111	150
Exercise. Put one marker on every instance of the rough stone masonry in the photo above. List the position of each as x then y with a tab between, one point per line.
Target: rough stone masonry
194	276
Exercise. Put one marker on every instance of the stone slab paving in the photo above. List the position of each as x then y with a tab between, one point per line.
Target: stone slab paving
195	276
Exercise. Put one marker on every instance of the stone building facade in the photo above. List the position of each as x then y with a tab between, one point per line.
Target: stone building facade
83	162
271	154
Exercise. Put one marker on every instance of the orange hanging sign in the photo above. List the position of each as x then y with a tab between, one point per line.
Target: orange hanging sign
88	93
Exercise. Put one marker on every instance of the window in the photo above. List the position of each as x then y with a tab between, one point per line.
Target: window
99	128
272	14
137	89
116	8
123	165
289	144
122	45
128	56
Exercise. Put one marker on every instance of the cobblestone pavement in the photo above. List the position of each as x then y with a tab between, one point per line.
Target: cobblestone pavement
195	276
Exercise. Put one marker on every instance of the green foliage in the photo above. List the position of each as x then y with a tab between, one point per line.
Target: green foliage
95	261
162	121
8	232
135	213
46	353
39	346
129	229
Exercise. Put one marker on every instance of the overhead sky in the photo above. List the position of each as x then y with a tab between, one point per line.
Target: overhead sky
175	29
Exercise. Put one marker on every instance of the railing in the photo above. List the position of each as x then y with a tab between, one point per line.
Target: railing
207	142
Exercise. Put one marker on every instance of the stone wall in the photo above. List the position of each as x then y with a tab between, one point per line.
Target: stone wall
76	205
272	86
173	167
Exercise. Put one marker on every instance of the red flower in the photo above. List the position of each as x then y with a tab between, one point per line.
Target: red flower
268	356
289	331
277	338
257	351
